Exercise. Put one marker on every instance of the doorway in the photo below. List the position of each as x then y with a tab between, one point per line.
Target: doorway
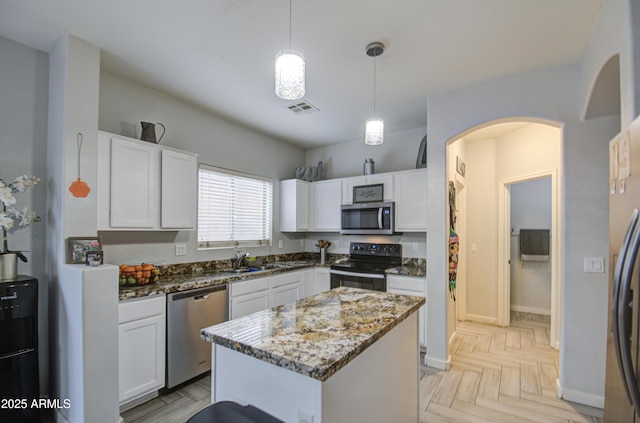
507	231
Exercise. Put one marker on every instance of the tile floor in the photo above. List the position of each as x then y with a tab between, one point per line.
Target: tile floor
497	375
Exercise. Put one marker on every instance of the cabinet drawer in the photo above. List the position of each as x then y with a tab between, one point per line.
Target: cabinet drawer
141	308
245	287
406	283
286	278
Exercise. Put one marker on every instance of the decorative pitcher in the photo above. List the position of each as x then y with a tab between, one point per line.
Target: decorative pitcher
149	132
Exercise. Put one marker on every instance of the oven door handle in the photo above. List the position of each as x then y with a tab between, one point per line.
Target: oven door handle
360	275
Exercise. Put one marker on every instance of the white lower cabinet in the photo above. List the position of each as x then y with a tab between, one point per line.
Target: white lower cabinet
409	285
322	280
249	296
286	287
141	348
259	294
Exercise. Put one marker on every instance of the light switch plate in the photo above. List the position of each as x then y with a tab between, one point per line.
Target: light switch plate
594	264
181	249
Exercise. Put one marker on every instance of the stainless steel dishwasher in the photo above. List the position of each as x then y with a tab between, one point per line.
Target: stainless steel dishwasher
187	313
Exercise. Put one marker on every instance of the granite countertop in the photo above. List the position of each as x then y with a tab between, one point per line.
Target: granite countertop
177	283
318	335
415	271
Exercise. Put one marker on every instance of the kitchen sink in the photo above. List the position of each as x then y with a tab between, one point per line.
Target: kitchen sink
267	266
238	270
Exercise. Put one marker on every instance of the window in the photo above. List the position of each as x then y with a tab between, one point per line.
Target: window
234	209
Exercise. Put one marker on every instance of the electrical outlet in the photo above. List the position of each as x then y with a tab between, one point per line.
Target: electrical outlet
181	249
415	246
280	245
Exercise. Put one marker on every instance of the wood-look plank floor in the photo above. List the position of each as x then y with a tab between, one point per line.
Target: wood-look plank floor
497	375
500	375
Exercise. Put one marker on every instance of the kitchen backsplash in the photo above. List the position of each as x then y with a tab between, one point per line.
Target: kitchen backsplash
217	265
195	268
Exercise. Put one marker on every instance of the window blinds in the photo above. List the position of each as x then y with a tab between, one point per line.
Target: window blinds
234	209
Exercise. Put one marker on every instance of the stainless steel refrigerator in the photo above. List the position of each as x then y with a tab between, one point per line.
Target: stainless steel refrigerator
622	395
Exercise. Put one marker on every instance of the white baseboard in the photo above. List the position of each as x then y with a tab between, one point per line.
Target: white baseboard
437	363
579	397
60	418
534	310
137	401
482	319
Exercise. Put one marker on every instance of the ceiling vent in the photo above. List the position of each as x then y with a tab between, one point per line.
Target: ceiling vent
302	107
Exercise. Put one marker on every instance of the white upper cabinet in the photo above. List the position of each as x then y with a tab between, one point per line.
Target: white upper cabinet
144	186
179	187
327	198
294	205
134	185
411	200
386	179
315	206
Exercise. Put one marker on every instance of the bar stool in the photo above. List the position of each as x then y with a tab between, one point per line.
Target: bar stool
232	412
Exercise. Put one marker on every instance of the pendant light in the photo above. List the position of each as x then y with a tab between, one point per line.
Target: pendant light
374	127
290	79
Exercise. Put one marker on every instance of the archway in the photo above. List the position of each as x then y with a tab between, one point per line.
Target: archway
516	149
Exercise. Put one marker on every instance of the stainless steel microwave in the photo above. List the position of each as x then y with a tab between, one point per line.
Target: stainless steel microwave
368	218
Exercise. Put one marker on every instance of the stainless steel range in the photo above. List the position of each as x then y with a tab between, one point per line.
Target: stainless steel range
366	266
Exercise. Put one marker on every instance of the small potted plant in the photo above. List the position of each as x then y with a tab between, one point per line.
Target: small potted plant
11	220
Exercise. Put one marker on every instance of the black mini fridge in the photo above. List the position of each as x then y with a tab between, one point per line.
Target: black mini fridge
19	380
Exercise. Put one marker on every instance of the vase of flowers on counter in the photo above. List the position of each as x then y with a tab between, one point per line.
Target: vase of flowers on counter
323	245
11	220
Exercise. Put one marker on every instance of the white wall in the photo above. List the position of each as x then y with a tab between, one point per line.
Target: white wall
552	94
218	142
24	79
535	147
398	152
530	282
79	328
457	309
612	35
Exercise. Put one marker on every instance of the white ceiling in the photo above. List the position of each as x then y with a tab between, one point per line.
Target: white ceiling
219	54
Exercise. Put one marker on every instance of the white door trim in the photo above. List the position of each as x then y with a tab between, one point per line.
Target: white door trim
504	240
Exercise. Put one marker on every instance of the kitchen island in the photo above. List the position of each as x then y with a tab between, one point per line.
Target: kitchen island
342	355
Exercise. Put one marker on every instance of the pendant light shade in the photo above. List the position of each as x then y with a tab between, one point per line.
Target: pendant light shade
374	128
290	83
290	72
374	131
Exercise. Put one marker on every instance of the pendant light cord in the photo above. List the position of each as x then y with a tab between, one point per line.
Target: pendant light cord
290	15
374	85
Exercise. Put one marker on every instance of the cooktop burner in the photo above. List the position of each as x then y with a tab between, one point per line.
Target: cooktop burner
371	258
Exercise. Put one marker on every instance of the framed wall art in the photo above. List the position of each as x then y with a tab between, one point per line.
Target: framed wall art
368	193
77	248
460	167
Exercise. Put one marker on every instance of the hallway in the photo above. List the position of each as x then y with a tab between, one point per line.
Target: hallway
500	375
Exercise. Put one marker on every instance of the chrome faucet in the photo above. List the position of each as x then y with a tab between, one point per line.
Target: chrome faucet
240	256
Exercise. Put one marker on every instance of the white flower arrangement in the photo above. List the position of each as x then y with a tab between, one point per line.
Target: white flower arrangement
12	219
